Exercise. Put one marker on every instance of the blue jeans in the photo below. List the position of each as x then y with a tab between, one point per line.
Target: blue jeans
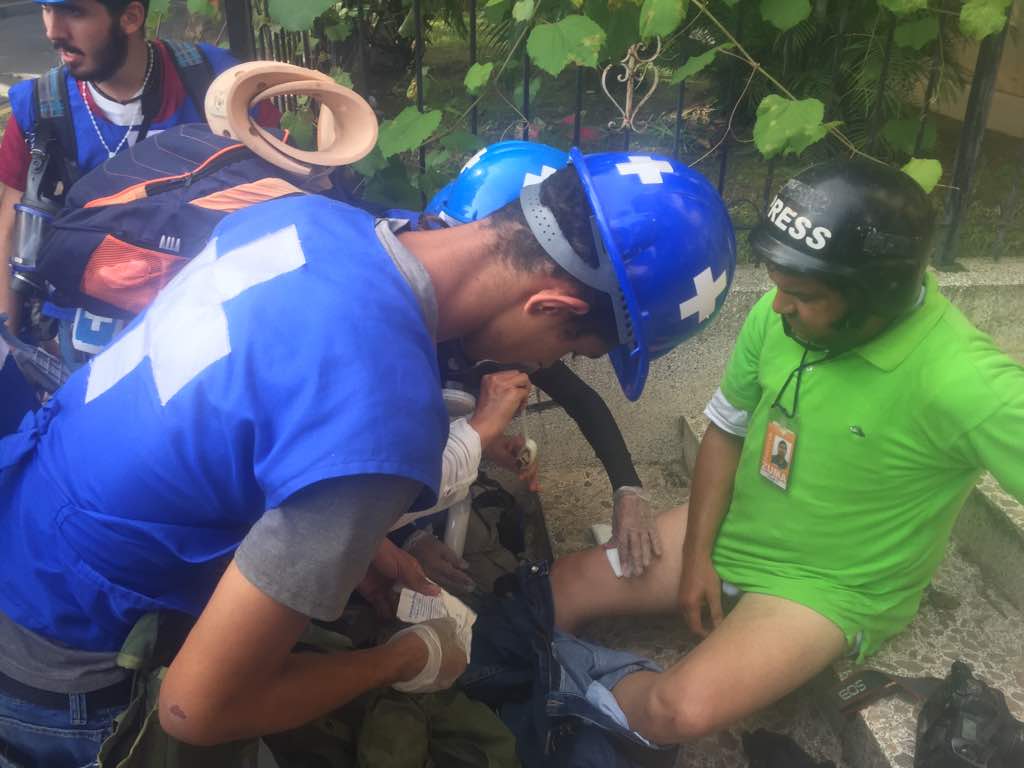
32	736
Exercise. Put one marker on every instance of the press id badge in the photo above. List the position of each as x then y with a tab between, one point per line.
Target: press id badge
777	454
93	333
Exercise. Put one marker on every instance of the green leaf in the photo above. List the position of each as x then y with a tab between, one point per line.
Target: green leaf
477	77
393	187
622	27
496	10
297	15
903	7
916	34
573	39
341	77
159	7
695	64
523	10
202	8
785	14
785	126
339	32
901	133
925	172
661	17
980	18
407	131
462	142
300	129
437	157
371	164
410	91
517	92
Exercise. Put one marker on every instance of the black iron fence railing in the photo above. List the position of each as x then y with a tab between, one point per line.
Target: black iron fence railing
249	38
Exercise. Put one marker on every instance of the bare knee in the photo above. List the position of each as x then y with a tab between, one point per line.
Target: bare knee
678	715
568	580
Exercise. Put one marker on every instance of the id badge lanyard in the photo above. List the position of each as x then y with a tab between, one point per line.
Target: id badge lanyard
779	450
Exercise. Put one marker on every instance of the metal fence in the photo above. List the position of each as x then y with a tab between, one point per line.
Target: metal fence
248	42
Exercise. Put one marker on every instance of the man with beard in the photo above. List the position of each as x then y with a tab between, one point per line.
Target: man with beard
119	89
889	403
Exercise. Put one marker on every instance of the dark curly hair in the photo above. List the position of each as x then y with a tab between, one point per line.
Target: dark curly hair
563	194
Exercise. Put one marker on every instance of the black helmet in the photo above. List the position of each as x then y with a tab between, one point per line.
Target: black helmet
860	226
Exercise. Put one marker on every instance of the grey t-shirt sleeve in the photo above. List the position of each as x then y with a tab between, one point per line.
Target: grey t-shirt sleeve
311	551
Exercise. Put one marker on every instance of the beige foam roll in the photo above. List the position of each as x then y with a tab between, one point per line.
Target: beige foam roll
347	126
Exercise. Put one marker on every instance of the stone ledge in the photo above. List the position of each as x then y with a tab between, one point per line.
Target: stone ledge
990	531
960	618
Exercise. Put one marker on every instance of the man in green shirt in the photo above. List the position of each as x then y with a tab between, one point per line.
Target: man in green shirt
888	404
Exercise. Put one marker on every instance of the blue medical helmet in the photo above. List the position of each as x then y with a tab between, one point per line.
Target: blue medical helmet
492	178
667	252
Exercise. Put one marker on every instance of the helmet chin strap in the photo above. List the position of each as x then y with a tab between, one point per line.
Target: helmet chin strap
845	337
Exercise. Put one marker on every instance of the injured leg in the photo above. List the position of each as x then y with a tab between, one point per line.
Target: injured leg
765	648
585	587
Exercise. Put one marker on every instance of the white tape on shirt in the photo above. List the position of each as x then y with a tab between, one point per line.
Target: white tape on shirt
727	416
459	467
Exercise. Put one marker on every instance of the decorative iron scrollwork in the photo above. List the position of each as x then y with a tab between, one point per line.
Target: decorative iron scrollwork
635	70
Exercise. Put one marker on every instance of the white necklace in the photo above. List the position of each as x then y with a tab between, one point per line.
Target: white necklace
138	113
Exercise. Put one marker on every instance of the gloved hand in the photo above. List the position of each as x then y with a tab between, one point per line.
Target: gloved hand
447	655
634	531
439	562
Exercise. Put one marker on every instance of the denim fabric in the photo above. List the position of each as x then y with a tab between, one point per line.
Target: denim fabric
38	737
553	690
588	674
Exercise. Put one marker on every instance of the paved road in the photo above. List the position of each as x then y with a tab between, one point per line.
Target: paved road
24	49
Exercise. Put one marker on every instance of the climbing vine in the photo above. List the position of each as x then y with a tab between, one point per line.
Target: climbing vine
689	38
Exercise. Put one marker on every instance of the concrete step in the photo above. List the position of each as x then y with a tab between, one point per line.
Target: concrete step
966	614
961	617
990	532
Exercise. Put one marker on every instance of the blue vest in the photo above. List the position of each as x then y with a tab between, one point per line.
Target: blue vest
91	152
291	350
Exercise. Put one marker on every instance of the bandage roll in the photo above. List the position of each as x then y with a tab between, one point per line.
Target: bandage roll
427	678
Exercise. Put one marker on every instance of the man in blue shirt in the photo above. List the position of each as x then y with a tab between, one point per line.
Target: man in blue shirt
119	89
242	448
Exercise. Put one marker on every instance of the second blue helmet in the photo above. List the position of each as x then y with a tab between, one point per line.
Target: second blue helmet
493	178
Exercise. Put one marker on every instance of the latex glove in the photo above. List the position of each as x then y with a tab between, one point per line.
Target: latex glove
447	655
634	531
502	396
390	567
700	586
505	450
440	562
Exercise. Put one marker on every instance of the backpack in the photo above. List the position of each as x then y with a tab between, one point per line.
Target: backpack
54	129
129	225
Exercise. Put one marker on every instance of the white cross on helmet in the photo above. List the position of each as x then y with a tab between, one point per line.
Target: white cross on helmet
647	169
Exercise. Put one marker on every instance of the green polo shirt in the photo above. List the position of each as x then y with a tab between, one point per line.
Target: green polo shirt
891	437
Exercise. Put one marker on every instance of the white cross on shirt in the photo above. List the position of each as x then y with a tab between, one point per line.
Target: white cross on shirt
96	322
708	290
647	169
186	330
